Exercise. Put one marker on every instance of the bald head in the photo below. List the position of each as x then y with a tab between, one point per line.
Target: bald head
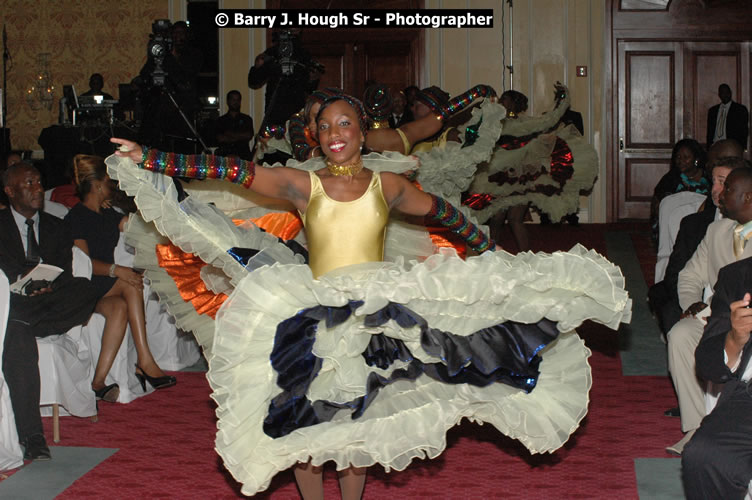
736	198
726	148
724	93
23	187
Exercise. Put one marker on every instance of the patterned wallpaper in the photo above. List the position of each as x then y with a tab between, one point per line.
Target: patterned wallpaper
82	37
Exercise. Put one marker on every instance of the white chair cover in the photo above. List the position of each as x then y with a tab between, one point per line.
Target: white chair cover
672	210
89	343
65	370
173	349
57	209
11	455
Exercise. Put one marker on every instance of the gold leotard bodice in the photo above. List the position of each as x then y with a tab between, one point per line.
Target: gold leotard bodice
341	233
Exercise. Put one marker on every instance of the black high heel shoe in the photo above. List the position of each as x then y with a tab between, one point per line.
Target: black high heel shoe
156	382
107	393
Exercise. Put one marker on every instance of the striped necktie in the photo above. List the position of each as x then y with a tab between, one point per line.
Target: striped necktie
722	123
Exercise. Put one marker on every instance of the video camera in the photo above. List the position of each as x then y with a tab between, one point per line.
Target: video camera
285	41
160	44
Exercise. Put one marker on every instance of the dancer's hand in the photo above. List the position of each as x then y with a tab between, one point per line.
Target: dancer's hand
560	91
128	149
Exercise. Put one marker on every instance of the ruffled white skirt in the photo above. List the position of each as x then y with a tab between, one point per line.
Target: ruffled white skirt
408	417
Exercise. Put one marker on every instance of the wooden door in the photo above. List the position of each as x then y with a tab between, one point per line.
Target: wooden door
352	57
708	66
650	108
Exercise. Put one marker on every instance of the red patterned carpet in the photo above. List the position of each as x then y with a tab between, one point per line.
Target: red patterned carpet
166	450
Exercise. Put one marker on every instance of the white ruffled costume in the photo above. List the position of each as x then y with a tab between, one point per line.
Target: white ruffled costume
409	418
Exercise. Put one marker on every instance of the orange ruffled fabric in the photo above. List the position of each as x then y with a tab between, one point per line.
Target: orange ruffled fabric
185	268
442	237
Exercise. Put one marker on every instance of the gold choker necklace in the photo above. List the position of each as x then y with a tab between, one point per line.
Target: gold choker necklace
352	169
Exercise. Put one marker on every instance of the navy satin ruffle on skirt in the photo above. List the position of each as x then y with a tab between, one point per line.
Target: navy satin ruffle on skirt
505	353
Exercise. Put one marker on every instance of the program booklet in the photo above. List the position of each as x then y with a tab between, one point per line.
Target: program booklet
42	272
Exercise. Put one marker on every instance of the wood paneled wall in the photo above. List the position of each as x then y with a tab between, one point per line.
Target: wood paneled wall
664	68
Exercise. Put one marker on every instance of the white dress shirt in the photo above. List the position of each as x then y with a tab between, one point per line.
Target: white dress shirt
23	228
720	124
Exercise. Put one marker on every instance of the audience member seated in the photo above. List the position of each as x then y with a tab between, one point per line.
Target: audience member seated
727	148
66	194
663	296
11	158
96	231
687	173
720	246
672	209
234	129
28	236
716	463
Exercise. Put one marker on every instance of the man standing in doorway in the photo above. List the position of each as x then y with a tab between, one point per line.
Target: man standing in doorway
727	120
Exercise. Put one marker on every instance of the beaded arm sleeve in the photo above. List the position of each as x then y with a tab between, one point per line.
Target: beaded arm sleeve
301	149
462	101
230	169
448	216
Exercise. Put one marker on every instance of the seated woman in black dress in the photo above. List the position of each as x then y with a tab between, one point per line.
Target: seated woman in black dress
96	231
687	173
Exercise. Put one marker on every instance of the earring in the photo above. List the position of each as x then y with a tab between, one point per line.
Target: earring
697	163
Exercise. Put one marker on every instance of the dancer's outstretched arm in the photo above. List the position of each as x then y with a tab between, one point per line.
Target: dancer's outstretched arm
405	197
386	139
281	182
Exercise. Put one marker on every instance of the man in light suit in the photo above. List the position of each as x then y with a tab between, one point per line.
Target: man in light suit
663	296
716	250
727	120
717	462
28	235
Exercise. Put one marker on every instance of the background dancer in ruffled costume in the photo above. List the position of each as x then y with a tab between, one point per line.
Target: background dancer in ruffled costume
515	104
536	163
363	367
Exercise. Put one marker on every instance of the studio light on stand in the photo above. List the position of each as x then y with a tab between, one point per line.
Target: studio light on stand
41	94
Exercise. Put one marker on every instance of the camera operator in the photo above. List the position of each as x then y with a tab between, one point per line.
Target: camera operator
289	73
172	66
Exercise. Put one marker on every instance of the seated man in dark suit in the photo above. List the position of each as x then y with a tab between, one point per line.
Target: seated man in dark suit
28	236
717	461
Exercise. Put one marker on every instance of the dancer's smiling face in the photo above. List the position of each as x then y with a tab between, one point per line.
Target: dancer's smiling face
339	133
